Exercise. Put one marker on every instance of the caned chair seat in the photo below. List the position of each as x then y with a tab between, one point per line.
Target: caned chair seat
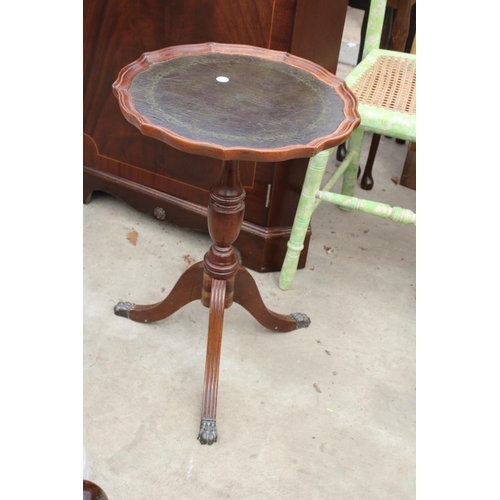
385	85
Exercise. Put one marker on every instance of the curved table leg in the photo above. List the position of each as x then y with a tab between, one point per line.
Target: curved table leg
208	429
187	289
247	295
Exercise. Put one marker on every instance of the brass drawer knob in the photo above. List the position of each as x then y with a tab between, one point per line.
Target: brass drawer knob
159	213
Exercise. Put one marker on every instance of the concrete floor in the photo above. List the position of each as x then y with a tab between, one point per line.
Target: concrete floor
326	412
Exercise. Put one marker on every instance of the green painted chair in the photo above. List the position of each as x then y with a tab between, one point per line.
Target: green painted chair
384	83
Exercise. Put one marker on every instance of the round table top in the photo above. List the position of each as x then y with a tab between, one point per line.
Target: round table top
236	102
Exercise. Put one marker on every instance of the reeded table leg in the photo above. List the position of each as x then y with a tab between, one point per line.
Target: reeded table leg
248	296
187	289
208	429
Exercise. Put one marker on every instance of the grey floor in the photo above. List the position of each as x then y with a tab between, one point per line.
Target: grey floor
326	412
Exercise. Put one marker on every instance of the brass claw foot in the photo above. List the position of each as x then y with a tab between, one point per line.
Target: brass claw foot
208	431
303	321
122	309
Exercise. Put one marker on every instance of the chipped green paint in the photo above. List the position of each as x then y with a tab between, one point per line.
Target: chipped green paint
374	28
354	145
383	210
350	157
312	195
305	209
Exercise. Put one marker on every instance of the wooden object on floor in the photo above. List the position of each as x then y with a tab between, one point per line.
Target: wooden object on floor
92	491
172	185
409	174
232	103
403	28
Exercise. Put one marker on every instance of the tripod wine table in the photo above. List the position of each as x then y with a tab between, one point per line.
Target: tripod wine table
230	102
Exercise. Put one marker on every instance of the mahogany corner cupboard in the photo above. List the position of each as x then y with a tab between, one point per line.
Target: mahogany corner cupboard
171	185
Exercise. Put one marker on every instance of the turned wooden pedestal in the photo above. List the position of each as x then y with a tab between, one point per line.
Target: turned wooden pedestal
217	281
230	102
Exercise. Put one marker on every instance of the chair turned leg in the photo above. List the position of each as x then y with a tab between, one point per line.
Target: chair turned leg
341	152
354	145
367	179
305	209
